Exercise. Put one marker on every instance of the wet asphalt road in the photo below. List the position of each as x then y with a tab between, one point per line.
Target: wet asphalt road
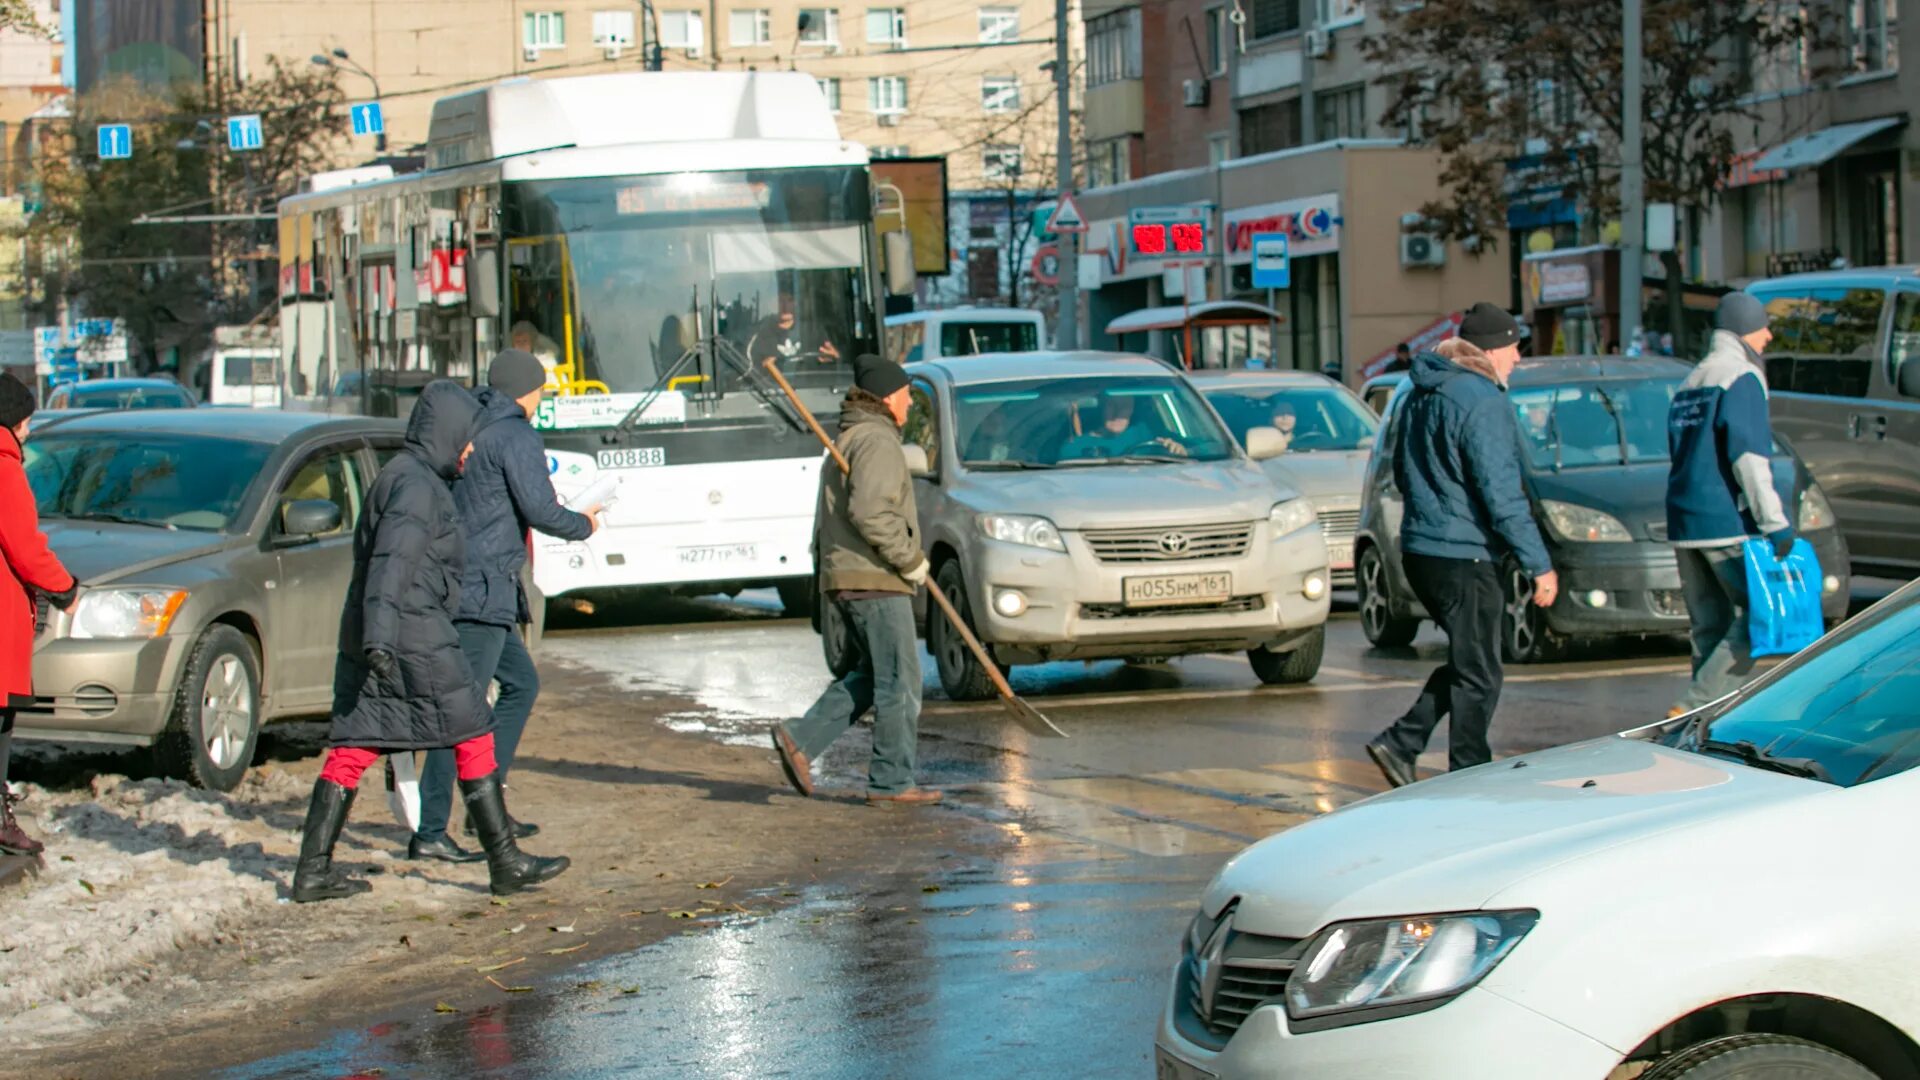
1050	960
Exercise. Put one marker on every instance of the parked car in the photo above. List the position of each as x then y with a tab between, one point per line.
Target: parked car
1593	435
120	394
1326	457
1707	898
213	550
1062	538
963	331
1844	371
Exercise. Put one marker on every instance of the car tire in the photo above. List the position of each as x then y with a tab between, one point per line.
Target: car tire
796	597
210	739
961	674
1298	665
1525	636
1758	1057
836	640
1377	620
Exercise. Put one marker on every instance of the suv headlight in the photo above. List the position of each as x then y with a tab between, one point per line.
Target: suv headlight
1815	511
125	613
1357	971
1022	529
1290	517
1583	524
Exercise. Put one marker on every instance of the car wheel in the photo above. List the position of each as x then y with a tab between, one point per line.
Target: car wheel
961	673
1298	665
1525	637
796	596
1377	620
836	640
216	713
1758	1057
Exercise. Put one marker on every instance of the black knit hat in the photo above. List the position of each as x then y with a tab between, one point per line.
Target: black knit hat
16	400
516	373
1488	326
877	375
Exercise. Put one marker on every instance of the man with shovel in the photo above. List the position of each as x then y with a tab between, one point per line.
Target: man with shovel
868	551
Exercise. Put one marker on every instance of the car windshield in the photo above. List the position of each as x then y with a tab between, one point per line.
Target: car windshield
969	338
1609	422
1845	711
1085	421
130	397
167	481
1315	417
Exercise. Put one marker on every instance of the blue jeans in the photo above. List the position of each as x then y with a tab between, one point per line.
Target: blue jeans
494	653
887	680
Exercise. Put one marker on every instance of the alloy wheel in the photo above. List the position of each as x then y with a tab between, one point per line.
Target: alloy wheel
226	711
1373	597
1521	628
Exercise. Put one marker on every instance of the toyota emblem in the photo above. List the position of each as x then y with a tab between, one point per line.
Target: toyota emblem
714	497
1174	543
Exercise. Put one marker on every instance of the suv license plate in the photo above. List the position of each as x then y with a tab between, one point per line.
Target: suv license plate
1173	589
1340	555
1168	1067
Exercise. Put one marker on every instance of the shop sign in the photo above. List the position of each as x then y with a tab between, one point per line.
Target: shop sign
1168	232
1553	283
1311	225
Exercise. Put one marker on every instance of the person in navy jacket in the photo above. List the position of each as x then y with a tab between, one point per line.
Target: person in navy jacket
1720	493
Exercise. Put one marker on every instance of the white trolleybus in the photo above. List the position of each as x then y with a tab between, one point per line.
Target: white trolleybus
653	238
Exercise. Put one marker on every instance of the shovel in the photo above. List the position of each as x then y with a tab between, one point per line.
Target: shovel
1029	717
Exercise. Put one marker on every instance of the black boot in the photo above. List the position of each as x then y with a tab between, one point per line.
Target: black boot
315	877
510	869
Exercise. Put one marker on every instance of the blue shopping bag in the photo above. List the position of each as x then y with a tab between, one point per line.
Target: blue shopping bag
1783	598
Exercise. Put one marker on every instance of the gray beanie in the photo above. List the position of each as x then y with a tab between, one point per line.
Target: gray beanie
516	373
1741	313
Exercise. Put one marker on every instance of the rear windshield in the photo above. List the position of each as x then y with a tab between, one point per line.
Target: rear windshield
1613	422
969	338
1315	417
131	397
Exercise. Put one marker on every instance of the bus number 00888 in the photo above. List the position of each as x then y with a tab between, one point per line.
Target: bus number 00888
638	457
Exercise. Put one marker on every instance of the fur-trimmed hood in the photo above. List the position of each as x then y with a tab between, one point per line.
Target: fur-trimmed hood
1468	357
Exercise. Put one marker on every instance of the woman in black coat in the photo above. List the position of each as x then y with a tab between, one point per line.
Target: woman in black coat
401	682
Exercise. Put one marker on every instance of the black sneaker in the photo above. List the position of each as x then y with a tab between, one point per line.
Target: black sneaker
1397	769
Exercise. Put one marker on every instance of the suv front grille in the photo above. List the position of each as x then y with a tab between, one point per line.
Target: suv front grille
1339	523
1236	605
1253	971
1173	543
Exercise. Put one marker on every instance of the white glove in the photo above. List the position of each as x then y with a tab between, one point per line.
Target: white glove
918	575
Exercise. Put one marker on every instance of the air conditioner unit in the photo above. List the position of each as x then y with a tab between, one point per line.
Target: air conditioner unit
611	52
1319	43
530	54
1194	93
888	119
1422	249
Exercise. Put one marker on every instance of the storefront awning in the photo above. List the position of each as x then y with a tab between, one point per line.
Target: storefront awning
1213	312
1809	151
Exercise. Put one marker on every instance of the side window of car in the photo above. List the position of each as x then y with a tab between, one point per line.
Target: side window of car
331	475
923	422
1824	340
1903	345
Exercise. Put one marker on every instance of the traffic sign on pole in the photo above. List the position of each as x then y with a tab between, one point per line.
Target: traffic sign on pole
1270	266
1066	216
245	133
367	119
114	141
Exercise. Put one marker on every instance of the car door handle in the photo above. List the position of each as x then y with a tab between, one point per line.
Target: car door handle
1880	428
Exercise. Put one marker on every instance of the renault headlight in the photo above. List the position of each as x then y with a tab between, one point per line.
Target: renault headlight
1583	524
1022	529
1353	971
125	613
1815	511
1290	517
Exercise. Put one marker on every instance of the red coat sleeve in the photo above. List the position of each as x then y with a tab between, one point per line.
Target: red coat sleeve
21	540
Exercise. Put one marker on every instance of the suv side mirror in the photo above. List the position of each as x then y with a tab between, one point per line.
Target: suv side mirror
917	465
1265	442
1910	377
304	519
897	247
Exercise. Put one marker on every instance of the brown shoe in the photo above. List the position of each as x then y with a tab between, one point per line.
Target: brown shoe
13	839
913	796
798	769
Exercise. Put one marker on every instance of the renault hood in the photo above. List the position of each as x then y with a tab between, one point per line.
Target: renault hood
1129	496
1453	842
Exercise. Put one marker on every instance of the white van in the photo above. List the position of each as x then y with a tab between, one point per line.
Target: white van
245	363
963	331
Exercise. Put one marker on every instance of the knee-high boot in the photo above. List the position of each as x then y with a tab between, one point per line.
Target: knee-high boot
509	868
315	878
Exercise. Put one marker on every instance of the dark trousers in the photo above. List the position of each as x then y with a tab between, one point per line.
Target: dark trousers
6	745
1714	581
494	653
1463	596
887	680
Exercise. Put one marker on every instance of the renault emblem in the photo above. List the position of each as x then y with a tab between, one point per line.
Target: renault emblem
1174	543
1209	964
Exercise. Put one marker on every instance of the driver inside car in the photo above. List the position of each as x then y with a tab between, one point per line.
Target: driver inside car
1118	435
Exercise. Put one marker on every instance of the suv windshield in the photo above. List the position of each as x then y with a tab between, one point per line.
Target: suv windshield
1846	711
167	481
1317	417
1085	421
1611	422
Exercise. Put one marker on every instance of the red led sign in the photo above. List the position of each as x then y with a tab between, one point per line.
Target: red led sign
1158	240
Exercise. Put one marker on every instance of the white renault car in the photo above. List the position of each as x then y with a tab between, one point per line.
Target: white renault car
1732	894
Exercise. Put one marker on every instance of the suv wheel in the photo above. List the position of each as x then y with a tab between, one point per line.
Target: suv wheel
1757	1057
216	713
1377	620
961	673
1298	665
1525	636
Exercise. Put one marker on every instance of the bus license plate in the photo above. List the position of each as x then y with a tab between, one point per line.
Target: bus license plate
636	457
720	553
1170	589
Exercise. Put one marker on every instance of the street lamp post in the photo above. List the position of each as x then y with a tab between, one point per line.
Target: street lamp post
339	58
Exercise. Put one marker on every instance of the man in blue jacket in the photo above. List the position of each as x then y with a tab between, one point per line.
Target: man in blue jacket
1458	467
1720	493
504	491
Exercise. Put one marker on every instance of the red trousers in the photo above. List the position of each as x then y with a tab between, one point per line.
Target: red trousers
472	760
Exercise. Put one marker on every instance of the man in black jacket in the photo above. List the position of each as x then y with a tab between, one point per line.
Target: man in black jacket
504	491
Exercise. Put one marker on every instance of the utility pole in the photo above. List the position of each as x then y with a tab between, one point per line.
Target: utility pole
1068	322
1633	211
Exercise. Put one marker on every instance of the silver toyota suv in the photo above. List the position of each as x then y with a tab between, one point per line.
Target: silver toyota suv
1091	505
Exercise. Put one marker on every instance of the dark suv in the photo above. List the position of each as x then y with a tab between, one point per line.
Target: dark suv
1593	435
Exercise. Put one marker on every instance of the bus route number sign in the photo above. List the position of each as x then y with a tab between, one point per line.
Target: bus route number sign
638	457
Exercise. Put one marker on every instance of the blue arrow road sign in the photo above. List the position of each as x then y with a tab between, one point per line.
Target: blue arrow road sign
1270	269
245	133
367	119
116	141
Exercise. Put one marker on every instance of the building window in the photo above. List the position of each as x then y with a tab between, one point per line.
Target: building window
1217	41
1000	163
1272	17
1270	127
999	24
831	88
615	29
887	95
1873	35
887	26
680	30
1000	93
1553	108
888	151
1341	113
1110	161
749	26
1113	47
1336	13
543	30
822	26
1219	149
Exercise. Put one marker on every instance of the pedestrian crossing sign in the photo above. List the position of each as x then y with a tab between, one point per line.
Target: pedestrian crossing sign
1066	216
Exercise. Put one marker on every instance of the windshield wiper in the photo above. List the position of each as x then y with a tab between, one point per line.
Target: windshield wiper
1008	464
1619	421
121	519
1747	753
